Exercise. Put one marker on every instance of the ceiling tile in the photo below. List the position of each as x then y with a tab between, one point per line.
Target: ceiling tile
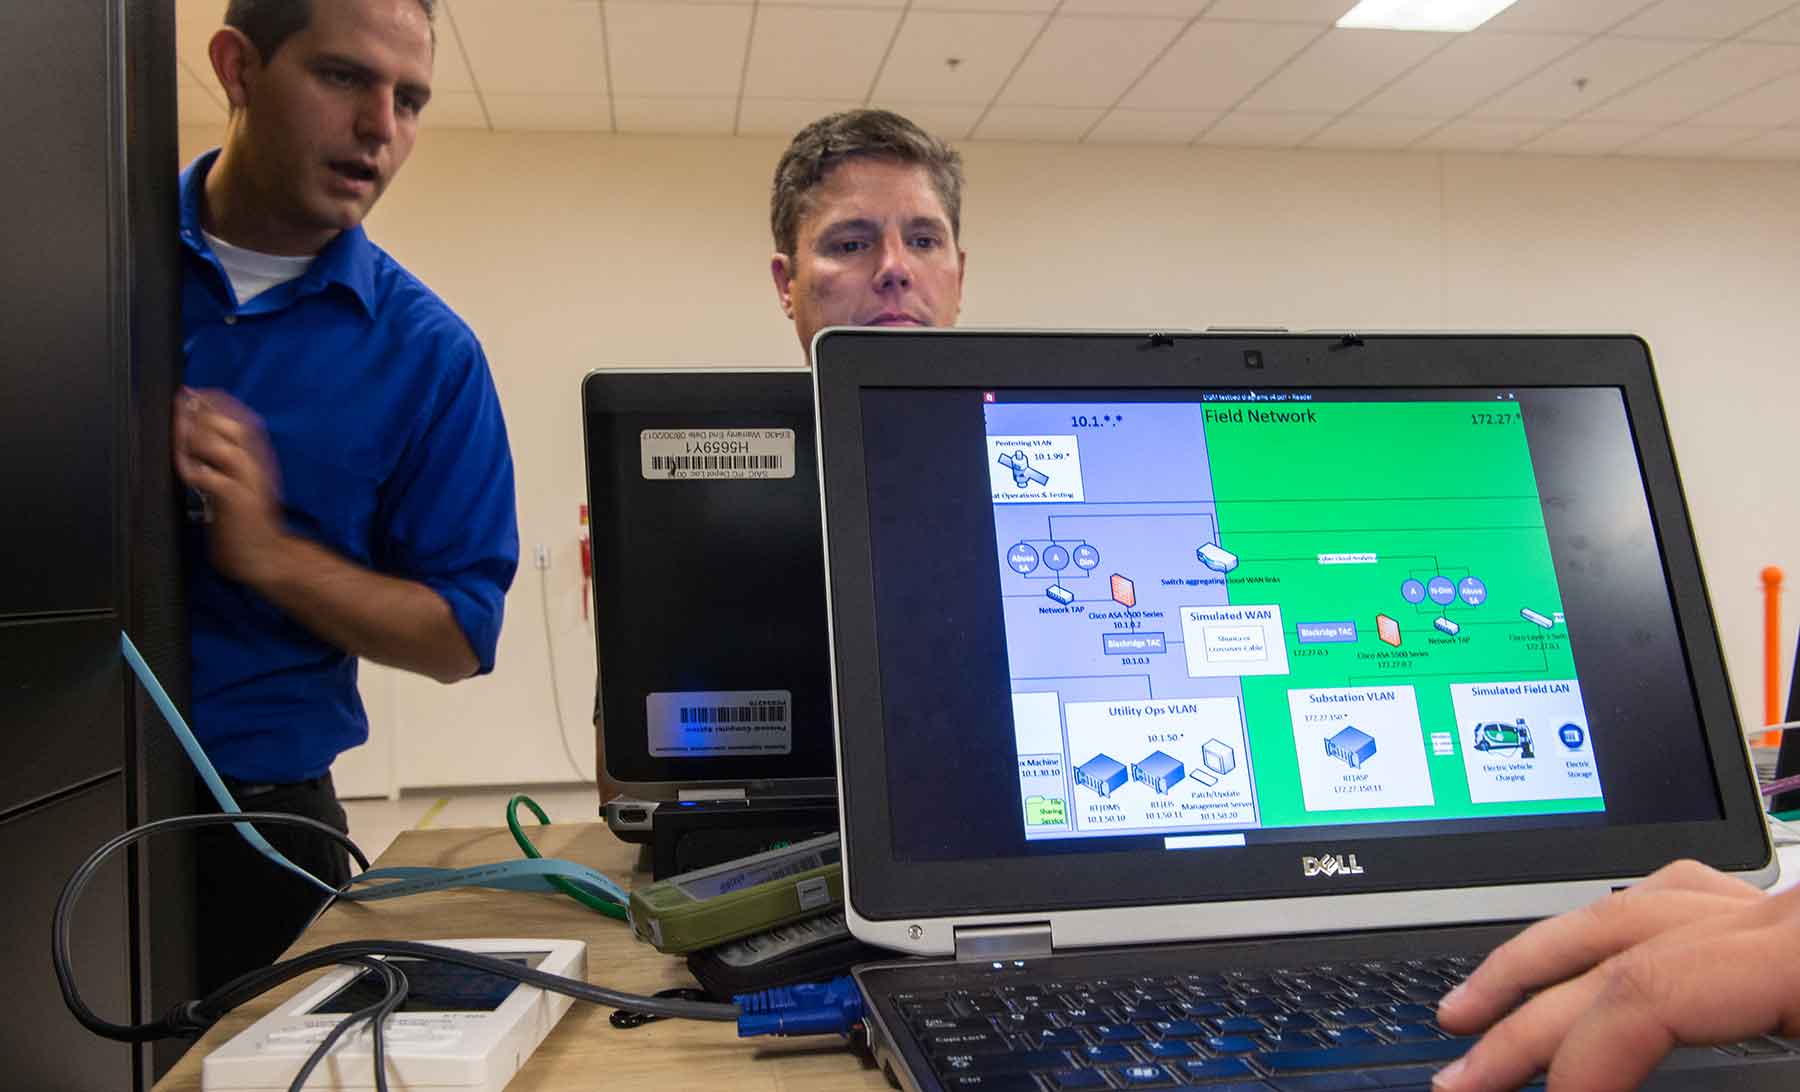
1774	103
454	110
1581	16
640	115
1701	82
535	47
549	113
1080	61
1782	28
1245	129
1365	131
1182	9
1587	138
1700	18
1041	123
688	51
986	47
1281	11
194	106
1468	70
785	117
1043	6
1342	68
869	4
798	53
1609	65
946	121
1690	140
1778	144
1214	65
1481	136
1152	126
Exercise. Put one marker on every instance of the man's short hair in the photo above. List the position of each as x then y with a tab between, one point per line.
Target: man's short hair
268	23
875	134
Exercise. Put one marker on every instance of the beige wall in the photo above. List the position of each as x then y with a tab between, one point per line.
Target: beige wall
568	251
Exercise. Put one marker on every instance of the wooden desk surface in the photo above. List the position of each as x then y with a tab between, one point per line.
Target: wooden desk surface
584	1051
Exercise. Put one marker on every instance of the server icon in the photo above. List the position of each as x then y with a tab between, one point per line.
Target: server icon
1101	773
1160	771
1351	747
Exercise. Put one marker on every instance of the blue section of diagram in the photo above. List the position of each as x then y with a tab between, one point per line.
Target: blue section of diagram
1142	520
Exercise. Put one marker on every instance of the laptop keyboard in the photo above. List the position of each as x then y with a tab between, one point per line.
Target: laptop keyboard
1325	1028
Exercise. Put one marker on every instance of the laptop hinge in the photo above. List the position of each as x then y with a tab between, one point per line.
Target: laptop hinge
711	794
1017	941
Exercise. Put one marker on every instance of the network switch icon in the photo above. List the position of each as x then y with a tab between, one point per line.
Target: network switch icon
1216	557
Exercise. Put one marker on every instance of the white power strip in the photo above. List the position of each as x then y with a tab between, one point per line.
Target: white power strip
461	1030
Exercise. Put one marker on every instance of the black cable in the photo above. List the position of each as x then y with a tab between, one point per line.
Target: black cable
626	1019
247	986
190	1018
397	990
376	1013
180	1020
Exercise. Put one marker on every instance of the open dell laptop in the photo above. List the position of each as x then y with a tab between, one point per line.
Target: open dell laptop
1209	704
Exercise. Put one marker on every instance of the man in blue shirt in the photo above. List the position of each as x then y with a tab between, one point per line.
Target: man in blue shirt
340	431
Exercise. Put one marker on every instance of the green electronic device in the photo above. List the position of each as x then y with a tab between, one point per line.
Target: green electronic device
724	902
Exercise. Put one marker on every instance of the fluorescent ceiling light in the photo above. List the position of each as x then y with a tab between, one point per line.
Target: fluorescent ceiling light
1455	15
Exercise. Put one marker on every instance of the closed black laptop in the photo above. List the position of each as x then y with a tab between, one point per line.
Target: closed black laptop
709	605
1208	705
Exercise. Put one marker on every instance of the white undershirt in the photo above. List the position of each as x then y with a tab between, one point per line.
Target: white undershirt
252	272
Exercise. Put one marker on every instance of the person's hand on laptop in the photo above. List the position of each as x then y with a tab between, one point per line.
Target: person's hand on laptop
1690	956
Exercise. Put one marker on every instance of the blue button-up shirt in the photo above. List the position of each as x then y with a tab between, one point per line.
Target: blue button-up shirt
392	453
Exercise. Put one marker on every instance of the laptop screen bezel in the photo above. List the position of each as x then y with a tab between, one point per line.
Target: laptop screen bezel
881	886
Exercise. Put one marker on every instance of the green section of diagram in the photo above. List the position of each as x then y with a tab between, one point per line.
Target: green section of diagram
1045	811
1331	509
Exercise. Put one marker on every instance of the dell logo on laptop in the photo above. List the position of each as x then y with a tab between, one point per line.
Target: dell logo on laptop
1332	864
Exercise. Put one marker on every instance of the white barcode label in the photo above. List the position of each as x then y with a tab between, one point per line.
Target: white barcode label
709	723
683	454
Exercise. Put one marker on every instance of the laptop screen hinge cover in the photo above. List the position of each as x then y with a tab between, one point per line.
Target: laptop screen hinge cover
1019	940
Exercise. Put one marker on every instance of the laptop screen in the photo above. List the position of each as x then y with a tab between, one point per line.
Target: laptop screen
1185	621
1246	611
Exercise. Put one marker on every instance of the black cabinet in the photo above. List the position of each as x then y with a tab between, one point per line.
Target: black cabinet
57	396
89	358
61	690
44	1047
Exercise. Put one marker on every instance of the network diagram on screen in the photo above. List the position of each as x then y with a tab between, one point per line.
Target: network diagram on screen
1258	611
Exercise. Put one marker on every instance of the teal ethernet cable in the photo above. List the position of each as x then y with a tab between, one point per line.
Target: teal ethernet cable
381	883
